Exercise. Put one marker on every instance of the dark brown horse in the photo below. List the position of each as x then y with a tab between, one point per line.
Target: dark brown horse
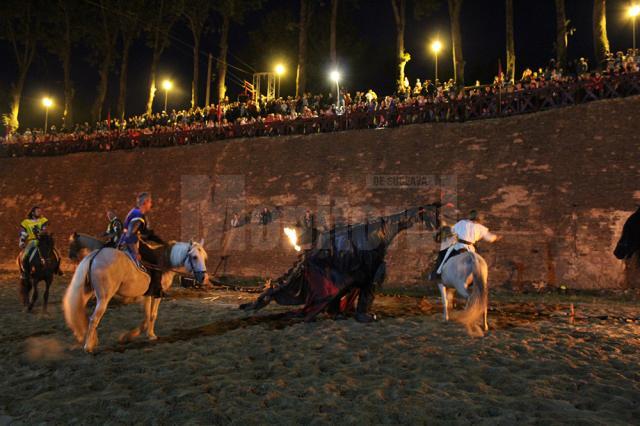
629	242
43	263
343	268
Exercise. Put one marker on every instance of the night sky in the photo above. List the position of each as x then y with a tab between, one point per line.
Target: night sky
366	49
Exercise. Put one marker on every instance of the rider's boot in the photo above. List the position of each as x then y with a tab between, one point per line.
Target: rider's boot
434	275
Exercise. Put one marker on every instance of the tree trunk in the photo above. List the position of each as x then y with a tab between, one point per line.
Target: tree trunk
196	70
16	97
332	39
24	59
67	114
402	57
562	38
152	82
222	61
69	93
456	42
157	52
301	77
600	39
122	85
511	46
103	73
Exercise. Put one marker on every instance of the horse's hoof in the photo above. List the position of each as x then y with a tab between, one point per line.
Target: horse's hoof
129	336
152	338
365	318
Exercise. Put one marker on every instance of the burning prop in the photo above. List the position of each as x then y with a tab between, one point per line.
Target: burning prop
343	267
293	238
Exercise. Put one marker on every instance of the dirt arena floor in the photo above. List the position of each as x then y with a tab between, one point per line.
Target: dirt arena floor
214	364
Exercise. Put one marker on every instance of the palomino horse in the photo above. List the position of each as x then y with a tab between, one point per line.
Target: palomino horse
107	272
42	264
458	273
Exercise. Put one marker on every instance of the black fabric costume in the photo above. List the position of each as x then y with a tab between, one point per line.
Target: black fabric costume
341	271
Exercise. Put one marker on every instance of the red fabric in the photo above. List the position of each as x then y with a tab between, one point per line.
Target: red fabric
321	291
348	302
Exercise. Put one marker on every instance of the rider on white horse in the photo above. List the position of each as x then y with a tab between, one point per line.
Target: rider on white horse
134	225
467	233
444	236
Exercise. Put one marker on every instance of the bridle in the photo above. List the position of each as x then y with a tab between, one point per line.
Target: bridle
199	275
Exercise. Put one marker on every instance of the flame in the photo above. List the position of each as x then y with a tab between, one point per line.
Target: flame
293	238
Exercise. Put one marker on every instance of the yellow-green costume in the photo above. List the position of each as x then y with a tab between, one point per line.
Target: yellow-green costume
30	228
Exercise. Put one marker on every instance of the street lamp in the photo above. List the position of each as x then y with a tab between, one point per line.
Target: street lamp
166	85
279	71
633	12
436	47
47	103
335	76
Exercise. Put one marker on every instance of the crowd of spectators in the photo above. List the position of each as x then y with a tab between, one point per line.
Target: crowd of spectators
424	101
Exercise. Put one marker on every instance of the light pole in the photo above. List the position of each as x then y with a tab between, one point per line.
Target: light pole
335	76
633	12
279	71
166	85
436	47
47	102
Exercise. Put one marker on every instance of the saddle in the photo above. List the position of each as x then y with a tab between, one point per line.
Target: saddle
156	256
455	253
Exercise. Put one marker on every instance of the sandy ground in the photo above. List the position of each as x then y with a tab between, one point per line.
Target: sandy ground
213	364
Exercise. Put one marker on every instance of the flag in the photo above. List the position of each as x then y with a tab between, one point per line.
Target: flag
500	74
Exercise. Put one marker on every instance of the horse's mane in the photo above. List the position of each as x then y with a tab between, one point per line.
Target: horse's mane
179	252
361	233
47	241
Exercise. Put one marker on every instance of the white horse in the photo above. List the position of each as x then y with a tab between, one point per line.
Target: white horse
458	273
107	272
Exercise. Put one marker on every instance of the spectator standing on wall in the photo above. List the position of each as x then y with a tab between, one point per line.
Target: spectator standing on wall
265	219
235	220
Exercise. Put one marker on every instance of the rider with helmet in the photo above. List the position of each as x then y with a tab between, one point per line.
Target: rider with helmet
114	229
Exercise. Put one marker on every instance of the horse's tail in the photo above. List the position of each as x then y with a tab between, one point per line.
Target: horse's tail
76	298
479	298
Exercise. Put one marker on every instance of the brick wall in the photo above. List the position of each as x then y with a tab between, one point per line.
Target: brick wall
557	185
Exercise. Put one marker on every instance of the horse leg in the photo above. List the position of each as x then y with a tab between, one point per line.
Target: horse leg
151	332
34	296
25	287
486	323
45	301
451	298
91	340
445	301
144	325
